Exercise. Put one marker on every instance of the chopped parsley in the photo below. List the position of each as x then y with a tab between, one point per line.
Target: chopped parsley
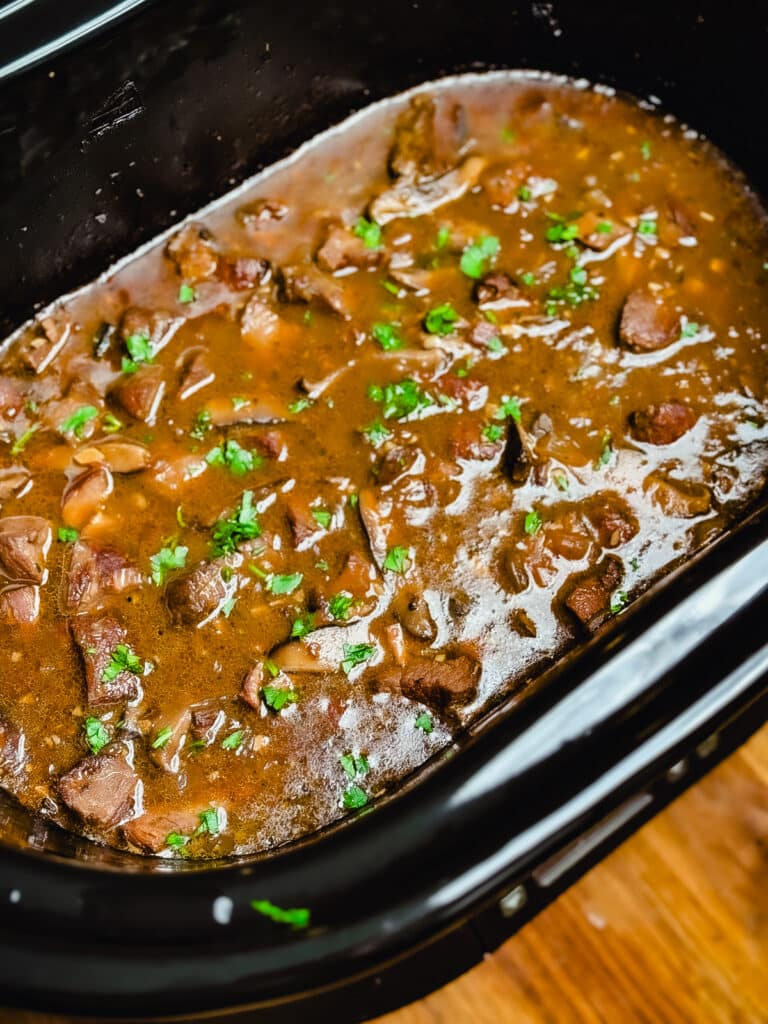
303	626
187	294
354	765
122	659
606	452
233	741
96	734
561	480
233	457
110	424
528	278
532	523
477	256
424	722
443	237
604	227
166	561
634	564
284	584
340	604
524	194
391	287
507	135
440	319
210	822
387	337
175	840
376	433
357	654
140	351
493	432
161	740
296	917
645	150
689	330
577	290
619	601
68	534
277	697
322	517
355	797
397	559
647	226
242	525
23	440
369	231
238	402
495	344
300	405
509	407
272	668
400	399
562	230
201	425
76	423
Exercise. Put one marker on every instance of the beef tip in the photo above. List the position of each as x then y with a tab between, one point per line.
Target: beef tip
412	611
85	495
441	685
195	597
102	790
44	343
98	638
647	323
193	251
612	519
196	375
498	291
24	545
405	199
150	831
482	333
599	232
398	462
341	249
662	424
467	442
96	570
501	183
261	213
304	528
141	393
12	753
167	752
157	325
588	594
679	498
207	720
429	137
309	284
11	398
244	272
20	605
260	323
250	691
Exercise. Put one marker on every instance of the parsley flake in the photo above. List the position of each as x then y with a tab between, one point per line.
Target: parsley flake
532	523
242	525
187	294
296	917
424	722
166	561
284	584
340	604
76	423
357	654
397	559
369	231
387	337
122	659
303	626
140	351
354	765
355	797
477	256
400	399
233	741
277	697
96	734
440	319
68	534
233	457
162	738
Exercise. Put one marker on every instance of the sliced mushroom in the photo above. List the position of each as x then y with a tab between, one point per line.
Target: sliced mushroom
406	199
412	610
85	495
519	456
121	456
321	651
224	412
373	511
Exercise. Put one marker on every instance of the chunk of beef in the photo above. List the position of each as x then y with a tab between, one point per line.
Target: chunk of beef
98	637
304	527
442	685
309	284
193	251
165	749
468	442
195	597
85	495
482	333
519	456
196	375
11	398
682	499
647	323
260	323
24	545
501	184
341	249
398	462
150	831
57	414
96	570
662	424
598	232
20	605
157	325
429	136
208	719
244	272
498	291
44	342
412	611
250	691
406	199
612	519
13	756
102	790
261	213
588	595
141	393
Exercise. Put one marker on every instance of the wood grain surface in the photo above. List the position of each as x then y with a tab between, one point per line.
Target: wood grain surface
671	929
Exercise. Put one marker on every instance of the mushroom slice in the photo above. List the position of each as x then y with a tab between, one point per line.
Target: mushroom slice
321	651
120	455
85	495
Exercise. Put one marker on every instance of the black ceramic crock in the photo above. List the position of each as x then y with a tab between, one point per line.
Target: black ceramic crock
115	121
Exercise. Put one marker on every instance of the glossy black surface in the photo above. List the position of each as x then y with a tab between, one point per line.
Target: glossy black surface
144	124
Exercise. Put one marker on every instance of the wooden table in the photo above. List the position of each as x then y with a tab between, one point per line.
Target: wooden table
671	929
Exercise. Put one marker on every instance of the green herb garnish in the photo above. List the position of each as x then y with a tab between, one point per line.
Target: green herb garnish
376	433
122	659
242	525
340	604
400	399
387	337
509	407
440	319
76	423
21	442
369	231
354	765
397	559
140	351
277	697
303	626
161	740
233	741
424	722
532	523
68	534
166	561
210	822
357	654
296	917
322	517
233	457
96	734
477	256
201	425
284	584
187	293
355	797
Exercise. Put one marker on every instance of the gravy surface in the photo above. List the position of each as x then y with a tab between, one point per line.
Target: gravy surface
293	495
